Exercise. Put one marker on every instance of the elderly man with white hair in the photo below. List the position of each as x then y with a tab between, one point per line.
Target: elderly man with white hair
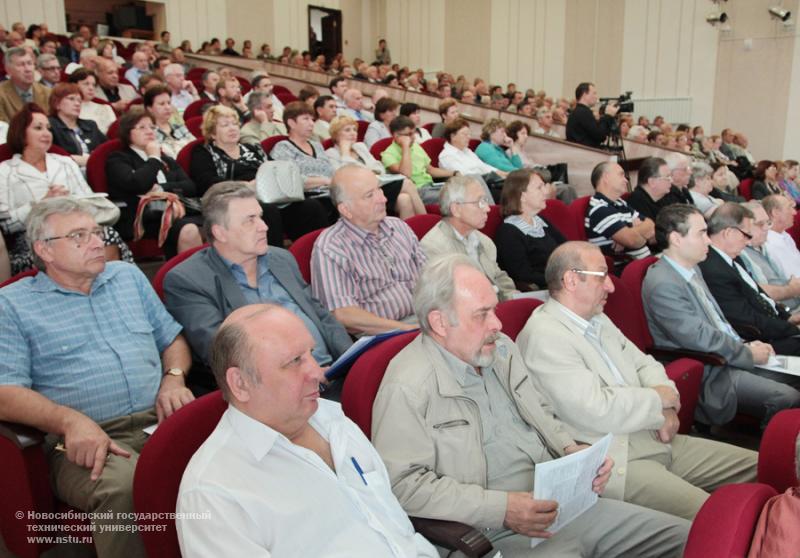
354	106
140	66
544	123
680	170
183	92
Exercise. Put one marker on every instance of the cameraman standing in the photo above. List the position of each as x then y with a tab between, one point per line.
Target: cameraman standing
582	126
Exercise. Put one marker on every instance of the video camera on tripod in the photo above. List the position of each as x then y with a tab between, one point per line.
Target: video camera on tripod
623	101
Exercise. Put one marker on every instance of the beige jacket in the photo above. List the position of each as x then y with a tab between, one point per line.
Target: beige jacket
429	434
11	102
256	132
584	393
441	240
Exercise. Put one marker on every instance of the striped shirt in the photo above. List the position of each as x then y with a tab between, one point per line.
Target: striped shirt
98	353
375	272
605	218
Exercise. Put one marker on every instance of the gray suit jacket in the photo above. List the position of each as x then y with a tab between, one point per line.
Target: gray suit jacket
677	319
201	292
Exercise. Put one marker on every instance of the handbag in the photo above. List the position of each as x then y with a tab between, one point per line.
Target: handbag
279	182
105	211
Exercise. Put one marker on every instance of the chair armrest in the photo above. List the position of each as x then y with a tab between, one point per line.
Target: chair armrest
20	435
453	536
664	353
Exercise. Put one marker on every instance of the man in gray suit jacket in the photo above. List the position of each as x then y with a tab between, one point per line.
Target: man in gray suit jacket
239	269
682	313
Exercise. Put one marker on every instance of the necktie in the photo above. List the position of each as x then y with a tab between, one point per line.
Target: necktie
716	317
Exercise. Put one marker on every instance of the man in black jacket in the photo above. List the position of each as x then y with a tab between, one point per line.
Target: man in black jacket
582	126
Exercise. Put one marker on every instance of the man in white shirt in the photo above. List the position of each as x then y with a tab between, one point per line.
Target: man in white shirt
544	123
282	463
325	107
780	244
140	67
183	92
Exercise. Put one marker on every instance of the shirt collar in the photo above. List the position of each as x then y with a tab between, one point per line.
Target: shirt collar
383	230
43	283
724	256
584	325
687	274
471	240
234	268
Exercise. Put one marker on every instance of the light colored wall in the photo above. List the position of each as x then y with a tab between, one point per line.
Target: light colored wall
197	20
466	42
50	12
251	19
415	31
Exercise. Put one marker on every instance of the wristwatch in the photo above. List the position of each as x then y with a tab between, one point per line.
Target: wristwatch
174	372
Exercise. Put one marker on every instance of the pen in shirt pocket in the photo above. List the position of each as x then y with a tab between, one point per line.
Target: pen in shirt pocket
359	470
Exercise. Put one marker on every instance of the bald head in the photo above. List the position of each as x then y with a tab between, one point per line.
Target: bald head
346	181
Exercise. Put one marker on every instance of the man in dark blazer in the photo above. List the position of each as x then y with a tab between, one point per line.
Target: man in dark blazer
682	314
746	306
239	269
582	126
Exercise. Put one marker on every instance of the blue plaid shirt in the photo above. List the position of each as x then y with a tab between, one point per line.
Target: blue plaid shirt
98	353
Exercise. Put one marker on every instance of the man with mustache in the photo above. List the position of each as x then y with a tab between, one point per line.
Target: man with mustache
599	382
460	427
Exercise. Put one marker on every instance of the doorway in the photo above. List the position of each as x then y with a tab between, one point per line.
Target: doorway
324	32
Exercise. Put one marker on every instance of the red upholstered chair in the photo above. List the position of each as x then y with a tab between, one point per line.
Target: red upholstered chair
301	250
196	73
327	143
558	214
429	126
286	98
746	188
359	391
271	142
433	209
195	126
185	154
577	209
161	274
379	147
421	224
474	143
724	526
113	130
160	468
776	455
133	103
281	89
433	147
514	314
244	84
195	108
18	276
492	222
794	230
362	129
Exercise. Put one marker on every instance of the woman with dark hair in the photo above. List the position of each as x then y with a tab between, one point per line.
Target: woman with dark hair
141	169
75	135
385	112
525	240
102	115
171	132
33	174
496	148
766	180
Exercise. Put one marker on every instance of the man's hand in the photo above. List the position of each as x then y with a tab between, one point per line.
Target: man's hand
259	116
603	475
87	445
153	149
761	351
670	399
647	229
530	517
670	427
612	108
794	318
172	395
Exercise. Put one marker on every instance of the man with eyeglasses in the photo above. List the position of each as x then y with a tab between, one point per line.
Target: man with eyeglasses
465	209
680	171
599	382
654	183
90	357
20	87
50	69
364	268
752	313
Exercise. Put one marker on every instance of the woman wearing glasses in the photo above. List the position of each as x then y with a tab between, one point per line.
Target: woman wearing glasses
73	134
33	174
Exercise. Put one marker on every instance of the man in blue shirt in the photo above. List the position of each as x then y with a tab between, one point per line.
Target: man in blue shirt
90	356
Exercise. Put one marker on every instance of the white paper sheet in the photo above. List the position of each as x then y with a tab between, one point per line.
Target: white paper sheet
541	295
568	481
783	364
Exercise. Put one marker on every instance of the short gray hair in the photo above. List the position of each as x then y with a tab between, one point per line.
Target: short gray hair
436	287
753	205
726	216
541	112
36	228
454	191
173	69
15	52
44	59
701	169
564	258
675	160
254	100
217	200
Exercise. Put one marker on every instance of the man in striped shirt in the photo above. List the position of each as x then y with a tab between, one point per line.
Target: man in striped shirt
617	229
364	268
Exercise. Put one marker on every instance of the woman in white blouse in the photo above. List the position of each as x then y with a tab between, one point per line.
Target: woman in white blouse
33	174
401	193
103	115
457	156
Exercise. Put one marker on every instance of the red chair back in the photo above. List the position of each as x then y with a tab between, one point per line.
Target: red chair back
276	89
429	126
364	378
6	153
794	230
627	313
474	143
96	165
136	102
327	143
195	126
286	98
113	130
301	250
362	129
271	142
746	188
161	465
514	314
433	147
195	108
633	277
161	274
557	214
185	154
244	84
18	276
379	147
776	455
577	210
196	73
421	224
492	222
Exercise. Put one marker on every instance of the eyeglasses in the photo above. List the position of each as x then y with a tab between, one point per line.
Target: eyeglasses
51	68
747	235
602	274
143	128
763	224
482	203
79	237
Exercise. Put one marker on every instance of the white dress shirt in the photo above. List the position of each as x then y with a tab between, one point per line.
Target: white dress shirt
462	160
269	497
783	252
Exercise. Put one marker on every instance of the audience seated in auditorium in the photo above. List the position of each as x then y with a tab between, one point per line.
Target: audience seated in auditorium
108	50
449	112
682	312
524	239
209	81
263	124
229	94
739	148
71	51
110	89
496	148
262	360
354	106
599	382
239	269
582	126
33	174
780	244
611	224
75	135
766	180
183	91
544	121
385	111
752	313
171	132
325	112
460	399
649	196
102	115
465	208
701	188
139	67
141	172
364	268
21	86
402	198
412	110
338	87
262	82
124	369
49	69
457	156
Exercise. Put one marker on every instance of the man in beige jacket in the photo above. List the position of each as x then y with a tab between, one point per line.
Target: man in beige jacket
599	382
460	427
